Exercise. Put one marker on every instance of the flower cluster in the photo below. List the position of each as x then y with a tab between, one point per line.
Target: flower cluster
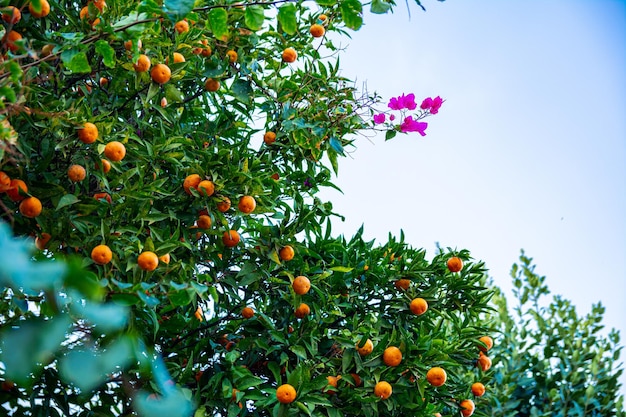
410	123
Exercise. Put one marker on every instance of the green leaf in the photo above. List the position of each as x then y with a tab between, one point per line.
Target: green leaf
36	4
179	298
287	18
336	145
341	268
66	200
380	6
352	13
76	61
242	90
255	17
107	52
326	3
218	21
173	94
178	8
390	134
106	317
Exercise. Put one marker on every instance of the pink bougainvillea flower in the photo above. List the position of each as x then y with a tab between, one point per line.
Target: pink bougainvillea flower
437	102
410	125
379	118
403	102
392	117
426	103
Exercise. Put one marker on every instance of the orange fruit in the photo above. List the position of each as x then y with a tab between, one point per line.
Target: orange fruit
148	261
383	390
247	312
317	31
392	356
103	81
275	176
302	310
289	55
418	306
76	173
322	17
115	151
101	254
204	222
357	380
467	408
163	102
301	285
191	181
206	188
487	341
142	64
232	56
478	389
30	207
11	15
100	5
269	138
5	182
105	167
286	394
455	264
223	204
483	362
332	381
182	26
402	284
165	258
247	204
11	38
88	133
161	73
128	45
42	241
366	349
230	238
178	57
45	9
286	253
103	196
212	84
436	376
198	314
16	187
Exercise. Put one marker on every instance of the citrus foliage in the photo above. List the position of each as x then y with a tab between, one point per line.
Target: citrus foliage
160	285
551	361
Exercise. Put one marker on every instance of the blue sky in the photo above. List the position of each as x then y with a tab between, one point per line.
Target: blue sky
528	151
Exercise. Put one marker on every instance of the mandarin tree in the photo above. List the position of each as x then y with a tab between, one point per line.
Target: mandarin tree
132	306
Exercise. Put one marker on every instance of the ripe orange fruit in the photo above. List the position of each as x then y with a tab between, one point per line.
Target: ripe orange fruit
5	182
182	26
142	64
204	222
275	176
483	362
286	253
128	45
402	284
11	15
436	376
418	306
478	389
301	285
76	173
103	196
212	84
165	258
148	261
191	181
42	241
101	254
198	314
322	17
206	188
115	151
16	187
332	381
317	31
178	57
487	341
30	207
223	204
232	56
247	204
269	138
467	408
383	390
230	238
11	38
302	310
45	9
286	394
161	73
247	312
366	349
392	356
100	5
289	55
105	167
455	264
88	133
357	380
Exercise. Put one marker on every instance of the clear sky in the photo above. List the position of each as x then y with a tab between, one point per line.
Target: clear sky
528	151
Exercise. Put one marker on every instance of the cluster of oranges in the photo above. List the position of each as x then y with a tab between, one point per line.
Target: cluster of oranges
17	191
11	15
